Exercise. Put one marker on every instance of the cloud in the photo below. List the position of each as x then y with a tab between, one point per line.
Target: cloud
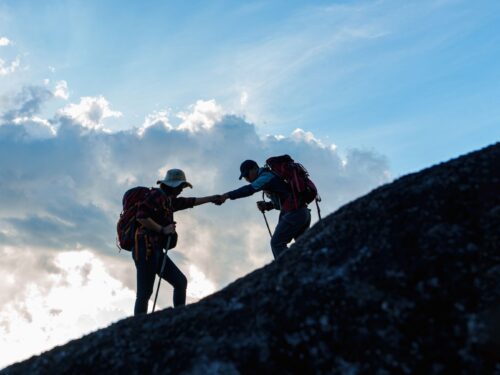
50	309
20	119
244	98
157	118
90	112
61	90
4	41
12	65
7	68
64	191
61	194
35	127
27	102
203	115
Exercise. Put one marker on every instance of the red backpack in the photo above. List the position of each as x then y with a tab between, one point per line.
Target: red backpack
127	223
304	191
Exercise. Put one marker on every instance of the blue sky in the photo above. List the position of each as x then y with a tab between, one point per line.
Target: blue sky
417	81
100	96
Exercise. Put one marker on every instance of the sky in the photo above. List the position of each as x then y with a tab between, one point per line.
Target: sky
97	97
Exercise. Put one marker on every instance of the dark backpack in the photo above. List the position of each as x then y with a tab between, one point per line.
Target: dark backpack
304	191
127	223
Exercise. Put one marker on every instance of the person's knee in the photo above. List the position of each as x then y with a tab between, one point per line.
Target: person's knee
277	242
144	294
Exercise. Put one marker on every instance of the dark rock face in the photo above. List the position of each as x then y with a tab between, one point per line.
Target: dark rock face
403	280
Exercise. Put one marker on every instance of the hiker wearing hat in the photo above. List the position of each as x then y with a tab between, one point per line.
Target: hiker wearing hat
156	219
292	221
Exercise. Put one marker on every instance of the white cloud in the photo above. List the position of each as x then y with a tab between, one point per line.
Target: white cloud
90	112
35	127
203	115
63	193
157	118
303	136
199	285
4	41
79	295
7	68
21	112
61	90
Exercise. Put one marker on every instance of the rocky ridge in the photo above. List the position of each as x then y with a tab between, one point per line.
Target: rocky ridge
403	280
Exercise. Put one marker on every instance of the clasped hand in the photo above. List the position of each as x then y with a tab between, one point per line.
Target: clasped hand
219	199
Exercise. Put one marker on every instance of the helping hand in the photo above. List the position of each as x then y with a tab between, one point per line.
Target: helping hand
219	199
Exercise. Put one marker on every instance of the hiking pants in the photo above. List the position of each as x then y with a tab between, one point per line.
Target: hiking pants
290	226
146	273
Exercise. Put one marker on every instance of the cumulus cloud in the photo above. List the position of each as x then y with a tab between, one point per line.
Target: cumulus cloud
62	194
157	118
202	115
35	127
90	112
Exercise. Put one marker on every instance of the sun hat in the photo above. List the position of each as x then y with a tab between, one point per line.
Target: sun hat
174	178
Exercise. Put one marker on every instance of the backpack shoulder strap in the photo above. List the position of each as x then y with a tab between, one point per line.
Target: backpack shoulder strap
167	198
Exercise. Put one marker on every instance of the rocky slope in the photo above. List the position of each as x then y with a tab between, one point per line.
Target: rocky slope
403	280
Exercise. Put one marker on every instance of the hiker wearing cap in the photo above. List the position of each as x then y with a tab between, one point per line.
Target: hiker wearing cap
293	221
156	219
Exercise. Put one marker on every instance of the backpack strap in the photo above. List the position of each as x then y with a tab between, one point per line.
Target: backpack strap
169	198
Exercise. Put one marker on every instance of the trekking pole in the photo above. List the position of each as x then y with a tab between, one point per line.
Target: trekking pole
162	269
265	218
318	199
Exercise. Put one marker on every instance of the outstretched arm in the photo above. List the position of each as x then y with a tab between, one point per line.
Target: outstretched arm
242	192
209	199
245	191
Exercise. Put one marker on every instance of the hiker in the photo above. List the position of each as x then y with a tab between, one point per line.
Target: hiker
294	220
156	223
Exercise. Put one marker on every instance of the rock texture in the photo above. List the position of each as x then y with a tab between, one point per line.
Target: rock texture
403	280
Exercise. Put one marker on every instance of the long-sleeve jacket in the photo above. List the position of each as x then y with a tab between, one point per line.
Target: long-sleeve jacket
277	189
160	207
